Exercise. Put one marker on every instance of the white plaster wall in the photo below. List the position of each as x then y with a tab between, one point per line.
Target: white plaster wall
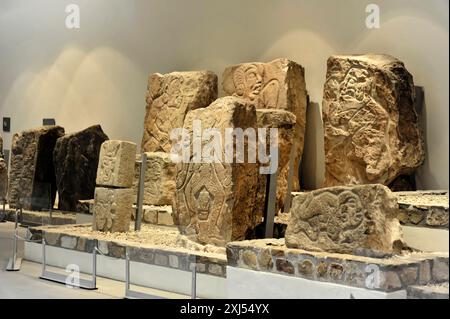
98	74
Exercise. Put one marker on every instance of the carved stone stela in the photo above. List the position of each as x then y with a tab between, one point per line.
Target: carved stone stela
169	98
279	84
116	164
345	219
32	173
113	209
214	201
372	133
76	158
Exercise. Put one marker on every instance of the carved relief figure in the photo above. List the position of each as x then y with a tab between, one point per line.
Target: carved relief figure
169	98
371	127
343	219
251	83
108	163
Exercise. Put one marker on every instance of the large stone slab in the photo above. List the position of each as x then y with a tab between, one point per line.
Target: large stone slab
284	122
32	172
215	201
345	220
169	98
3	180
113	208
160	179
116	164
76	158
372	132
279	84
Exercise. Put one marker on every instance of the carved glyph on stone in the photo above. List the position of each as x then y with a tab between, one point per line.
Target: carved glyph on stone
116	164
76	159
160	176
372	133
169	98
32	173
214	201
113	208
345	220
279	84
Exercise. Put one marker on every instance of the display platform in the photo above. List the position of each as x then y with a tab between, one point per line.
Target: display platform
33	218
327	275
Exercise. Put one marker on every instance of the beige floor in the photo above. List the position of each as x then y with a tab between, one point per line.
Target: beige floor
25	284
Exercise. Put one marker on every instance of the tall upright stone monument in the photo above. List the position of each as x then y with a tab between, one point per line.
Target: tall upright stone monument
32	182
279	84
76	159
215	200
372	132
169	98
113	202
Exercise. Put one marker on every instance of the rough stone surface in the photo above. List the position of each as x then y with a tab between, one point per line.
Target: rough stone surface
160	179
215	201
3	180
423	208
76	158
279	84
387	274
345	220
32	172
116	164
372	132
169	98
284	122
429	292
113	209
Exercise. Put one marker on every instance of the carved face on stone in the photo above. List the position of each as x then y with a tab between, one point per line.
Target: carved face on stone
155	171
203	204
106	214
248	80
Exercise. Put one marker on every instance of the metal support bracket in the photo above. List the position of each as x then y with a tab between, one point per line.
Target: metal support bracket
140	195
15	262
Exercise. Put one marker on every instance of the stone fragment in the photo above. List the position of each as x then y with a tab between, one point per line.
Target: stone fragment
116	164
215	269
165	218
284	122
215	201
372	132
249	259
345	220
76	158
3	180
112	209
69	242
440	270
279	84
285	266
32	172
160	179
169	98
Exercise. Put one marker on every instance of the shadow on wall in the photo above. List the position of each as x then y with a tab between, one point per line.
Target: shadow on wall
312	170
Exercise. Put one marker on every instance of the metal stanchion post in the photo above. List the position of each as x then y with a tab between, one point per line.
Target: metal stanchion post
15	263
140	196
194	279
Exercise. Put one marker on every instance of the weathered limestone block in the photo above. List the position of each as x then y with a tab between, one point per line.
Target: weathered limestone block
76	158
160	176
112	209
116	164
169	98
3	180
32	173
372	132
345	220
284	122
214	201
279	84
